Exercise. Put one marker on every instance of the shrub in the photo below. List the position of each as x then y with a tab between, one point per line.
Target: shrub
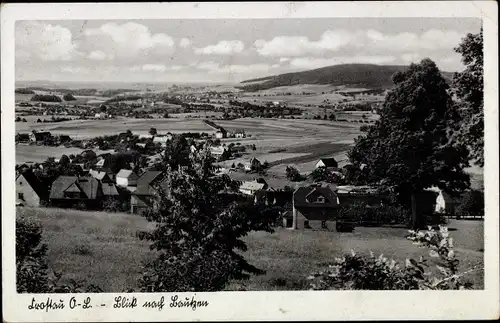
69	97
31	267
292	174
355	272
364	214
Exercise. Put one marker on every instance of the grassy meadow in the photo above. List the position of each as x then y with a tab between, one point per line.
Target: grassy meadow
102	249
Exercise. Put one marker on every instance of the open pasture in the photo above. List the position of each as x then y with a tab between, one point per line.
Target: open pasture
81	129
102	249
36	154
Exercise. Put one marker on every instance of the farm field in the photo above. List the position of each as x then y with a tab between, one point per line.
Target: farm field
81	129
34	153
102	249
306	95
304	140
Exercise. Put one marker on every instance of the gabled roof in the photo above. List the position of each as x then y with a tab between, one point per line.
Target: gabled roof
88	185
109	189
35	183
73	188
144	182
253	185
329	162
99	175
300	197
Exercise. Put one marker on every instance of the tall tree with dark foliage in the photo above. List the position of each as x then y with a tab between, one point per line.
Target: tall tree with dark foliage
409	148
200	220
468	86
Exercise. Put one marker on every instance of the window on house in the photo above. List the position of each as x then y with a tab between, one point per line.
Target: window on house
320	199
20	196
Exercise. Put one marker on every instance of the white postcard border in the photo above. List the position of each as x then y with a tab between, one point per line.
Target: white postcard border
245	306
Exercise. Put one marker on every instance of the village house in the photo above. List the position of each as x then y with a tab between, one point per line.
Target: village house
146	136
221	133
252	164
328	163
251	187
140	199
218	151
240	133
101	115
30	191
313	203
38	137
126	178
162	140
274	198
71	191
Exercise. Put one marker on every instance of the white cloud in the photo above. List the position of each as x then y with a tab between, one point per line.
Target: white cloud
334	40
224	47
284	59
213	67
154	67
98	55
44	41
301	45
432	39
128	40
184	42
314	62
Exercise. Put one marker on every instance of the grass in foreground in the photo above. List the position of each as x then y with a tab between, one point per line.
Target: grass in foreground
102	249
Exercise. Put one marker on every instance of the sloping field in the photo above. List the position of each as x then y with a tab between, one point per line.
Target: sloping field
34	153
102	249
79	129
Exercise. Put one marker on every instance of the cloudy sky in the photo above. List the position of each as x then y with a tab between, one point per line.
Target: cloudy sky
226	50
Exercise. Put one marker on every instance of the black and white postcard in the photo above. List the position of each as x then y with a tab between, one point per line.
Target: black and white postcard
250	161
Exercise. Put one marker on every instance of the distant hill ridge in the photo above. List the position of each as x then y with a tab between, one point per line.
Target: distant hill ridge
357	75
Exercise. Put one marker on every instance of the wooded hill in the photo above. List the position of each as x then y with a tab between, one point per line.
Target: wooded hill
353	75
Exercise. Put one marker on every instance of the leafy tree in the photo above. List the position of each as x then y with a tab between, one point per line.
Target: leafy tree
64	160
153	131
468	87
322	174
69	97
472	204
293	174
129	134
409	147
176	153
200	220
